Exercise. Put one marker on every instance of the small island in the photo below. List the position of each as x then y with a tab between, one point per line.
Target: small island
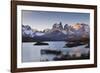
73	44
41	43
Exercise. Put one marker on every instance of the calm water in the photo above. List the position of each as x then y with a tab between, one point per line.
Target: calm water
32	53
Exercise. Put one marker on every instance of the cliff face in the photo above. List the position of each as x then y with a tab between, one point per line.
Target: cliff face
57	26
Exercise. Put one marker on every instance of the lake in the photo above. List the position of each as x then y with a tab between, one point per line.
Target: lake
37	53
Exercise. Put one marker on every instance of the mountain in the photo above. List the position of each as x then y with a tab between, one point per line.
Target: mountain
66	27
56	35
57	26
76	31
47	30
27	31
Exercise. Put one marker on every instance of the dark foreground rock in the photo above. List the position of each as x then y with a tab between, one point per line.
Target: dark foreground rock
68	57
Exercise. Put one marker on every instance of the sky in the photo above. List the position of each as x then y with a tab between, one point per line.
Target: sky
41	20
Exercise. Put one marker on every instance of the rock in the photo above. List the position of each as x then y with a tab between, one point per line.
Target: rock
66	27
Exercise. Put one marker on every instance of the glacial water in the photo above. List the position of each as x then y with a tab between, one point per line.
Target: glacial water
32	53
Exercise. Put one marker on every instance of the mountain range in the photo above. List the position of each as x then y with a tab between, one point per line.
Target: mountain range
58	32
